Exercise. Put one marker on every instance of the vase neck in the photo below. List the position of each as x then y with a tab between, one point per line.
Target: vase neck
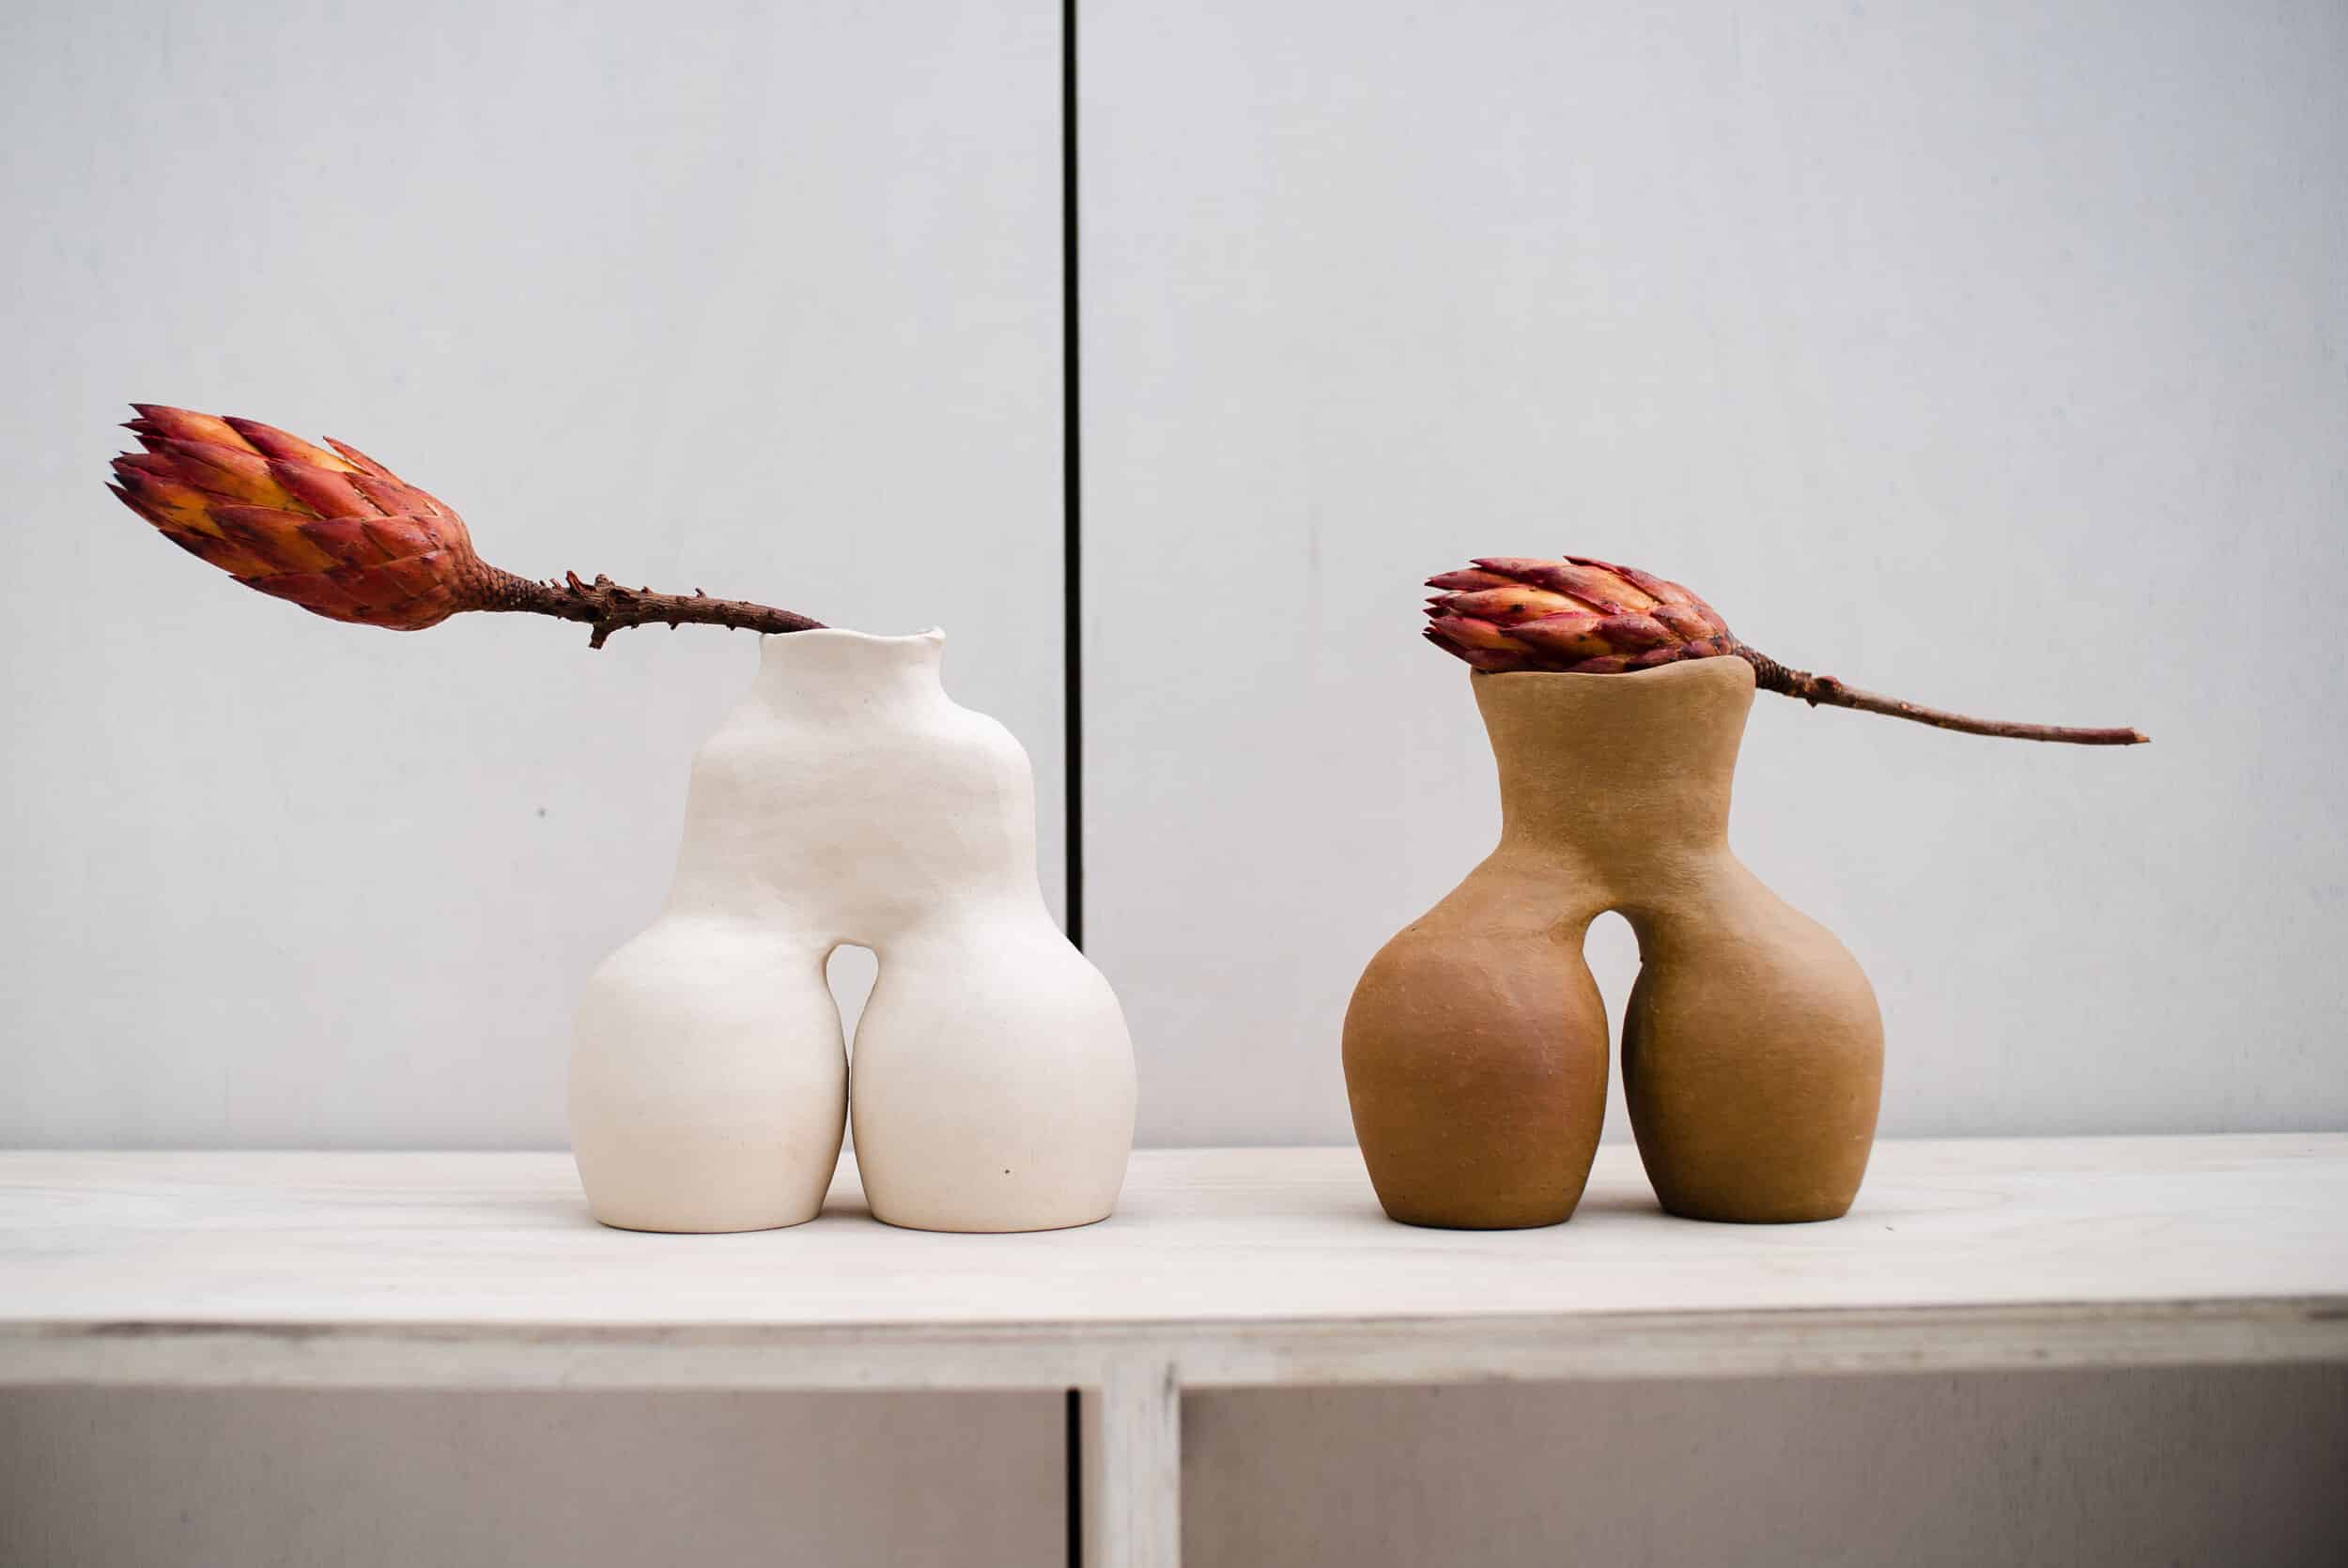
835	673
1617	771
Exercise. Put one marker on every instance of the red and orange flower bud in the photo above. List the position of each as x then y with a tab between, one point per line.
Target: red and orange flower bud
1577	615
334	531
341	536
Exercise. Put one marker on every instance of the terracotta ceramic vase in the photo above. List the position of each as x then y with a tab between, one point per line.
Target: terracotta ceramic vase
1476	1045
848	799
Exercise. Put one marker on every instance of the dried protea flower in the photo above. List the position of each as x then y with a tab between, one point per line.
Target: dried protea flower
1585	617
1577	615
334	531
341	536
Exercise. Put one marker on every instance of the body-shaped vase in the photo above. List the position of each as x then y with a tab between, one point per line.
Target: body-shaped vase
1475	1046
848	800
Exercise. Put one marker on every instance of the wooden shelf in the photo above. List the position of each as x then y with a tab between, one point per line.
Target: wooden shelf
1223	1268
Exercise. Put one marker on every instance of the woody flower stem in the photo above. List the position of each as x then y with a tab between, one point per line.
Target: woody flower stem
609	608
1814	689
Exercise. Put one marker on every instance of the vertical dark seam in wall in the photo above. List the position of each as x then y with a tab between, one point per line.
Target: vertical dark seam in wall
1072	491
1072	632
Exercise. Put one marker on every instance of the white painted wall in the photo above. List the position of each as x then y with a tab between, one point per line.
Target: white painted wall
1989	355
763	301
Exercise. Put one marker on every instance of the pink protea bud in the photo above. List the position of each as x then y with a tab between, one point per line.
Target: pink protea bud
1576	615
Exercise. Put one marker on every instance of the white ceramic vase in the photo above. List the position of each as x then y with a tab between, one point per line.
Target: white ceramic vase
849	800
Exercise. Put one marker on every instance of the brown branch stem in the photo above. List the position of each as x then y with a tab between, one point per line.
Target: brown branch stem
609	608
1814	689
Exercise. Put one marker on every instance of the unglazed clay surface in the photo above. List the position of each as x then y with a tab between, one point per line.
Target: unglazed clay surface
849	800
1476	1044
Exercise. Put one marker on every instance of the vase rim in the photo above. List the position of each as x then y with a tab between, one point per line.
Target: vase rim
835	654
1608	677
848	635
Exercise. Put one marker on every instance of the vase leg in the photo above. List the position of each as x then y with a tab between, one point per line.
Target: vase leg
1752	1057
708	1080
1476	1064
992	1082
